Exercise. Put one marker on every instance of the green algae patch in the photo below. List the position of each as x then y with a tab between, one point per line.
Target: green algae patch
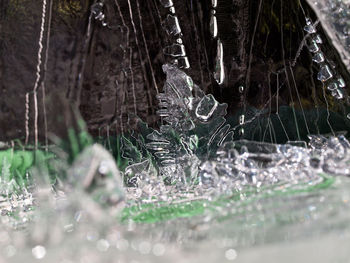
161	211
16	164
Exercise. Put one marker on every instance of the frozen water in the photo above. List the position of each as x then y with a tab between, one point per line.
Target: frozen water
313	47
175	50
172	25
206	107
341	82
213	26
318	57
333	15
221	164
238	193
325	73
166	3
95	171
338	94
219	73
332	86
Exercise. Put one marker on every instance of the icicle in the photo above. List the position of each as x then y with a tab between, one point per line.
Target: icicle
219	73
213	25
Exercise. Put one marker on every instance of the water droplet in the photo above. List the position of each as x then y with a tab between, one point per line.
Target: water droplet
179	40
324	74
172	10
231	254
172	25
175	50
166	3
348	116
214	3
219	73
241	89
206	107
241	131
313	47
213	26
39	252
332	86
318	57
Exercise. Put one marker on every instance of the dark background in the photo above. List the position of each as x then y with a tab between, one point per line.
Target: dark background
97	69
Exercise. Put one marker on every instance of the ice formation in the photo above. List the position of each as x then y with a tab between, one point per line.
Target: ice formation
194	149
334	15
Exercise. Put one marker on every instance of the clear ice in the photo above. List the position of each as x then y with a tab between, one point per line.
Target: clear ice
325	73
333	15
191	158
219	73
172	25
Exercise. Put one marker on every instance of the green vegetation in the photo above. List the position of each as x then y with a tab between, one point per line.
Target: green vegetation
161	211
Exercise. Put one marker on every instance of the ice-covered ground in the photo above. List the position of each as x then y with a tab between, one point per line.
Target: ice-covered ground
190	192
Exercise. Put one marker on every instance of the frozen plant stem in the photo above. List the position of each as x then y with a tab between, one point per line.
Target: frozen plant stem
38	74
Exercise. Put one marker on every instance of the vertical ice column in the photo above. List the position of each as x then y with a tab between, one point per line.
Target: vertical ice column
172	27
325	74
